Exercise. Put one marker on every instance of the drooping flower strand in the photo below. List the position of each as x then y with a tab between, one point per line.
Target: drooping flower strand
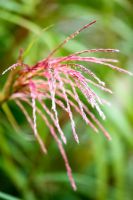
52	89
53	133
33	99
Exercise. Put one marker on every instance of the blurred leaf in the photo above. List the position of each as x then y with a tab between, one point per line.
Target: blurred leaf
5	196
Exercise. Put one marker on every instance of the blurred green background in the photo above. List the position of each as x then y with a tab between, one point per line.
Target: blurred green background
102	169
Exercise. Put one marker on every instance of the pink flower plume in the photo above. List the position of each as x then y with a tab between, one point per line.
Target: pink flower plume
49	79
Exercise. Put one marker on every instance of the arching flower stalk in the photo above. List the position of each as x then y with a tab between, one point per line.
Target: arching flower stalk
49	79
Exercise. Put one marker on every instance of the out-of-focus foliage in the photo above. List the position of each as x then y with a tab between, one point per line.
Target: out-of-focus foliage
102	169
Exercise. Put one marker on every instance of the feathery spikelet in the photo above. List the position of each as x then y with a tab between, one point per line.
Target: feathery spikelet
48	79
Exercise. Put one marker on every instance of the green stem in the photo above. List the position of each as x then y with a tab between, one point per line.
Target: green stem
10	117
6	92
